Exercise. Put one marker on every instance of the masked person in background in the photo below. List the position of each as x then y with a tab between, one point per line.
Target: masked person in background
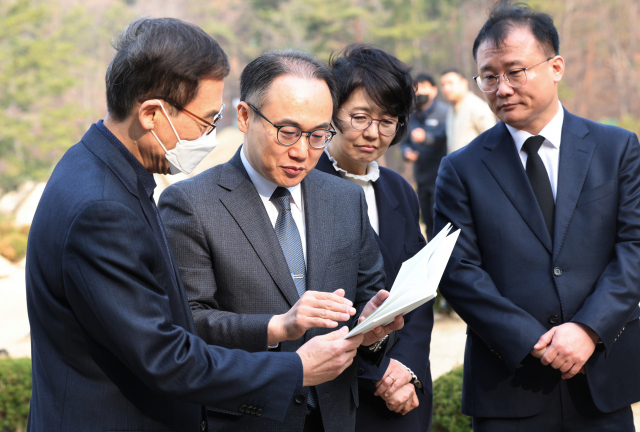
376	95
426	144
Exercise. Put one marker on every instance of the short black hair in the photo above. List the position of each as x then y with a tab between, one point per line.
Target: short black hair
257	77
161	58
385	79
424	77
506	16
452	70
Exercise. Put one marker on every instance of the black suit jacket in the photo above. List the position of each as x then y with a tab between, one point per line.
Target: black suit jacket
400	239
113	341
511	282
237	278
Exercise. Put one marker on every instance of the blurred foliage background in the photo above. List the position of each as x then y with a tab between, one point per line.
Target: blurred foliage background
53	55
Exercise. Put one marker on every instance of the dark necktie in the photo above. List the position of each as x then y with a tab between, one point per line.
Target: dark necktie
539	179
289	238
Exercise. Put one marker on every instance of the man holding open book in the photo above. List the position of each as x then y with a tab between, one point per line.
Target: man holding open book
273	252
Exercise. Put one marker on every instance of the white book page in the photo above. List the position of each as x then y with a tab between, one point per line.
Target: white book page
417	282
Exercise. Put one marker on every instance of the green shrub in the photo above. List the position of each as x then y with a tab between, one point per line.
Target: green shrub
13	242
447	400
15	393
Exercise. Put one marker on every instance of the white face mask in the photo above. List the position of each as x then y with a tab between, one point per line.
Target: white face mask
187	154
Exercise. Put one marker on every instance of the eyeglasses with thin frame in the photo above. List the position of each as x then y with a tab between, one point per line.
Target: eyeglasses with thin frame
288	135
209	125
516	77
361	121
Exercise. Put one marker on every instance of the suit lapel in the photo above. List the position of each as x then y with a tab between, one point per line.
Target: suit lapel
506	167
391	223
576	151
245	206
111	156
319	222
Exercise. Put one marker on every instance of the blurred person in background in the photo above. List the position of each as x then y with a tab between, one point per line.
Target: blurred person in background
273	252
426	144
114	345
468	115
376	95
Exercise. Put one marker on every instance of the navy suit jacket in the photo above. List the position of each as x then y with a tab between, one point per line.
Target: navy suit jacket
511	282
113	340
400	239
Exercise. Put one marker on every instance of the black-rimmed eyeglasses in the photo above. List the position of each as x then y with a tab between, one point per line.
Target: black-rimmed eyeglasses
514	77
288	135
361	121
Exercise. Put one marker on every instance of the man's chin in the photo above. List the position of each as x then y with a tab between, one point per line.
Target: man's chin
512	118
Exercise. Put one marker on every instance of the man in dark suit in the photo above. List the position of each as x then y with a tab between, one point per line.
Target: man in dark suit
113	339
546	270
272	252
426	144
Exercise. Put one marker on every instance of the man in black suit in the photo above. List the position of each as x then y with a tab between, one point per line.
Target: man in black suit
546	270
273	252
426	144
113	340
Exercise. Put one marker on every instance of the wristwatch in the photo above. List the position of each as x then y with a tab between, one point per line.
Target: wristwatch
375	347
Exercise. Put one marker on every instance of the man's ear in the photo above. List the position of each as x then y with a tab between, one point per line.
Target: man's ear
148	113
558	69
243	117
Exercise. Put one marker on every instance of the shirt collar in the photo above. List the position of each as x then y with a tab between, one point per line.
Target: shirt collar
148	182
373	171
265	187
552	132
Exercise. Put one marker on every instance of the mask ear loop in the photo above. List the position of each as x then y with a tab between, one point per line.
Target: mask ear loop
170	124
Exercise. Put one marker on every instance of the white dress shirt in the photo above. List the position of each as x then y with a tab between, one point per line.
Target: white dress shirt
266	188
366	183
549	150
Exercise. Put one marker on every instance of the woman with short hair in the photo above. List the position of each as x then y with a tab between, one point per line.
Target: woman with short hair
376	96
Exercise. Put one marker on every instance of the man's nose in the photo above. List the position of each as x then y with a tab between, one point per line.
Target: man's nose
504	89
300	149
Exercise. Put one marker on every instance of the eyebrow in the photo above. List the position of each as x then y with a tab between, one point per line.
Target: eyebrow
367	109
211	113
508	65
362	108
290	122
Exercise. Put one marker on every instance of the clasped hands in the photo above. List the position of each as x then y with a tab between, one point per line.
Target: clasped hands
566	347
327	356
396	389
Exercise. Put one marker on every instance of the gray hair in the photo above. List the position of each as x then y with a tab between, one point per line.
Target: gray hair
161	58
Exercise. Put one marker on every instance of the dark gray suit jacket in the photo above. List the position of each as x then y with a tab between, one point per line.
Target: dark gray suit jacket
237	278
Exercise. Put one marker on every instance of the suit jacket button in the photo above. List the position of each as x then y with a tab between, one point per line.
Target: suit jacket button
243	408
557	271
259	412
254	410
299	398
553	319
203	426
360	371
